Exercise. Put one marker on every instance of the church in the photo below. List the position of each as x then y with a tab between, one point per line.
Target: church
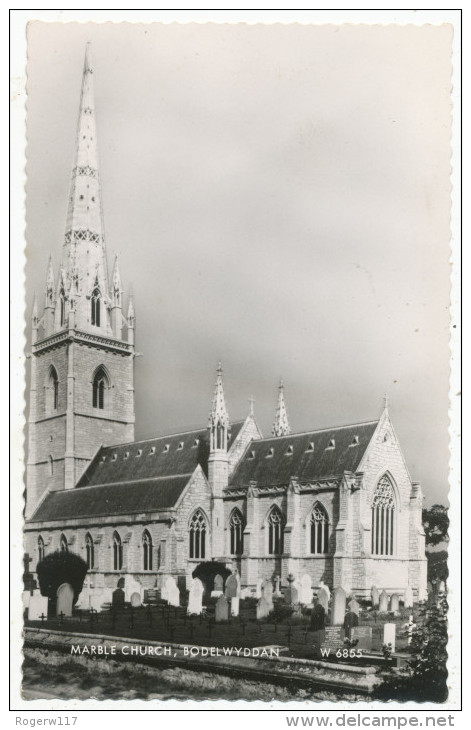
337	504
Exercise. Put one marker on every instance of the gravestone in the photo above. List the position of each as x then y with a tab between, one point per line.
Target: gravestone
364	634
173	594
351	620
37	606
374	597
323	599
218	582
232	586
354	607
235	606
306	590
117	599
394	606
263	608
334	638
258	588
195	599
277	586
383	602
267	593
65	599
389	635
338	606
150	596
222	610
135	600
326	588
120	583
317	617
422	593
408	597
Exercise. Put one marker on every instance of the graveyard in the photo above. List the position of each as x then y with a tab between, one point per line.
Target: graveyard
325	627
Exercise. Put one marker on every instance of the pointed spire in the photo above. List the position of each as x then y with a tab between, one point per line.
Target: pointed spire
219	415
84	252
116	287
281	425
50	284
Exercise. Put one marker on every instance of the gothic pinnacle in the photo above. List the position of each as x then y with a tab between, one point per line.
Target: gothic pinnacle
281	425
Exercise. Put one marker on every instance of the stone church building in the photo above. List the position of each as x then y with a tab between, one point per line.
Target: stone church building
337	504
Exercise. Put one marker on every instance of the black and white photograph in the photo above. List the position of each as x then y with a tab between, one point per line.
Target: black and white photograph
237	291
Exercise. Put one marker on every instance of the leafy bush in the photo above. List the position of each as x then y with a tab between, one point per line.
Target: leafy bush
61	567
425	677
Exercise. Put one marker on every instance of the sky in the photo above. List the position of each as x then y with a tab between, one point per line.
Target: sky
279	197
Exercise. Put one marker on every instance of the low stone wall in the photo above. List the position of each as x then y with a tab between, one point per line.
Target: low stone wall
264	663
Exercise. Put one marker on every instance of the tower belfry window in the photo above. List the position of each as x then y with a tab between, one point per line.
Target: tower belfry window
96	306
100	384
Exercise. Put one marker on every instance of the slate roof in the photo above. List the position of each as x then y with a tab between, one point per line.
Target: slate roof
309	456
142	476
111	499
164	456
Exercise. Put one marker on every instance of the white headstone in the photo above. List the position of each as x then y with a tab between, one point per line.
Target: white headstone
394	603
408	597
65	599
383	602
339	603
235	606
305	594
222	609
389	635
37	606
263	608
354	606
323	598
218	583
195	599
326	589
258	588
277	586
136	600
173	593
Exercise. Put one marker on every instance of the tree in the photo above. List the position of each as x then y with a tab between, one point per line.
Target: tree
60	567
435	521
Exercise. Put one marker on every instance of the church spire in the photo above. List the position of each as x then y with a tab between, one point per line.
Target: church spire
219	417
84	253
281	425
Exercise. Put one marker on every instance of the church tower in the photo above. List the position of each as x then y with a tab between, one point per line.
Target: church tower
82	353
218	463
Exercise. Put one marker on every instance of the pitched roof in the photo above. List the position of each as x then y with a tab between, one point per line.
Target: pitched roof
309	456
111	499
165	456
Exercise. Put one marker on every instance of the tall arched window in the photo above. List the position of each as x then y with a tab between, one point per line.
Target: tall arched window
382	518
90	549
41	549
95	304
146	551
319	523
52	390
198	535
275	532
100	385
236	524
117	552
64	545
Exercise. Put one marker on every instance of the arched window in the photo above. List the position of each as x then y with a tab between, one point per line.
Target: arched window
64	545
236	524
275	532
146	551
100	384
90	549
319	523
382	518
117	552
41	549
52	394
95	304
198	535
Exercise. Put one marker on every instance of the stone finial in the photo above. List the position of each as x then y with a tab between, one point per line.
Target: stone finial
281	425
219	415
